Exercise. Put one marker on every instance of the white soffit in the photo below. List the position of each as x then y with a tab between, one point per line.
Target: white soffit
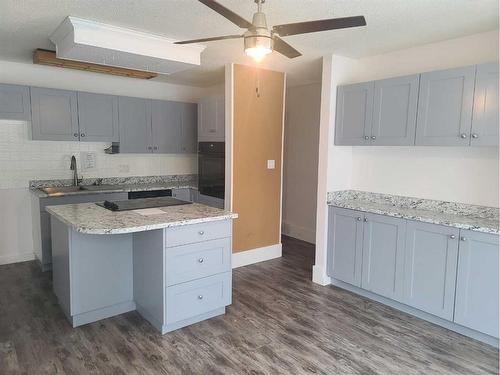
89	41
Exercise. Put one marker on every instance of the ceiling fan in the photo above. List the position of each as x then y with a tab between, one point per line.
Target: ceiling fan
260	40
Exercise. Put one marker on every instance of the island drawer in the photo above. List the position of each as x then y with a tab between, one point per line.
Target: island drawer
187	300
197	260
186	234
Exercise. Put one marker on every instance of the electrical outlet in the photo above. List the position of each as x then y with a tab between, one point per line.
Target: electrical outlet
271	164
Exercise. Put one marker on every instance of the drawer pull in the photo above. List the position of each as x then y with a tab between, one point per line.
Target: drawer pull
201	233
200	260
200	297
452	236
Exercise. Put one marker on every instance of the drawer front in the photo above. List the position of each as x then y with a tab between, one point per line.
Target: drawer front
186	234
194	261
81	198
197	297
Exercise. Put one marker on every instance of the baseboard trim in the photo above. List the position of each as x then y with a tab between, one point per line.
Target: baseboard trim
16	258
319	276
296	231
261	254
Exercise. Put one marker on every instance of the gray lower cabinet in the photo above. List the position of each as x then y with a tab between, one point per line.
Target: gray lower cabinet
345	245
485	129
430	268
135	125
15	102
395	111
445	107
98	117
54	115
383	255
353	121
477	295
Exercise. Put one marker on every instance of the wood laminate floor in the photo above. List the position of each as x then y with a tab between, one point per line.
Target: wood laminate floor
279	323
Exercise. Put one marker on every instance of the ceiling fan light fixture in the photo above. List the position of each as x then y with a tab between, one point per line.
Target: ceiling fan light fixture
258	47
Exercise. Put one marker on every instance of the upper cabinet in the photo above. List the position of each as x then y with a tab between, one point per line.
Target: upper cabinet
166	126
54	115
454	107
189	128
135	125
98	117
485	120
211	119
15	102
395	111
445	107
354	114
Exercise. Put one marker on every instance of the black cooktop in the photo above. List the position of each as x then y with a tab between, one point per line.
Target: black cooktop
136	204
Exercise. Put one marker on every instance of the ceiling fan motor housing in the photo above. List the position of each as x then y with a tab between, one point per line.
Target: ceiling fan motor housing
259	36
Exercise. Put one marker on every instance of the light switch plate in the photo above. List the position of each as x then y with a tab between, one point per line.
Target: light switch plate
271	164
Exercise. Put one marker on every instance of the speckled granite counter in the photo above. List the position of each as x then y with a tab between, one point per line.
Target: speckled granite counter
458	215
119	184
92	219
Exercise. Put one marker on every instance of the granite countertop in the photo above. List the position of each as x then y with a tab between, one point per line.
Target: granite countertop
458	215
92	219
117	184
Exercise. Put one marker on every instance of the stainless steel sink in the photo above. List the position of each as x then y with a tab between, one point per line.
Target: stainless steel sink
55	191
101	187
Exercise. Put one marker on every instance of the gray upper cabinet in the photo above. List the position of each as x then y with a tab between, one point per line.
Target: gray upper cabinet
477	295
98	117
395	111
345	245
54	115
445	107
430	268
166	126
15	102
353	122
189	128
211	119
485	129
383	255
135	125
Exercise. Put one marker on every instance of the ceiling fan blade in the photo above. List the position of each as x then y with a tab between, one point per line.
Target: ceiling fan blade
284	48
209	39
320	25
229	14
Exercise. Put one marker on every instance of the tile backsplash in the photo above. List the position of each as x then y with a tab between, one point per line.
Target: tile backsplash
22	159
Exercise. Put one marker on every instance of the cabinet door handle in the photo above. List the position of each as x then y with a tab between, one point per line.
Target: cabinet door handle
200	296
82	135
358	218
155	148
474	135
150	148
75	135
201	260
463	135
365	220
201	233
373	137
452	236
463	239
366	137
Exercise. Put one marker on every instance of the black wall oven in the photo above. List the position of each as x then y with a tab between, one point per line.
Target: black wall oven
211	169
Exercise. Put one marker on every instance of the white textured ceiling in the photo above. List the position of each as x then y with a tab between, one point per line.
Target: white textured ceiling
392	24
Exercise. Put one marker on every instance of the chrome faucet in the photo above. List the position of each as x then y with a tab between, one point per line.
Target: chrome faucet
73	167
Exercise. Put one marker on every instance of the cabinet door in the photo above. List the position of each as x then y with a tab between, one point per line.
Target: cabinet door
353	121
383	255
485	129
166	125
477	297
15	102
54	115
98	117
211	119
345	244
134	115
189	128
395	111
430	268
445	107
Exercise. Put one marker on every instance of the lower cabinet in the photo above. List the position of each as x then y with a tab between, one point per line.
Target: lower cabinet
450	273
383	255
430	268
477	295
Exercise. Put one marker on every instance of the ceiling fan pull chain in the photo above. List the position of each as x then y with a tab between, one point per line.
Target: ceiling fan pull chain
257	85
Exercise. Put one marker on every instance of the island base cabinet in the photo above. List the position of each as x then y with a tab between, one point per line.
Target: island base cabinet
430	268
477	294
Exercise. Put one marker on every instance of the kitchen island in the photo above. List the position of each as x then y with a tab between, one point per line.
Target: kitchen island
171	264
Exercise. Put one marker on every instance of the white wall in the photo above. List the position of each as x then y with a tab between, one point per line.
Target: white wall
22	160
300	161
460	174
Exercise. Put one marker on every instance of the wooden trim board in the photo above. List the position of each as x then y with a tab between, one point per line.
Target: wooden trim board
45	57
